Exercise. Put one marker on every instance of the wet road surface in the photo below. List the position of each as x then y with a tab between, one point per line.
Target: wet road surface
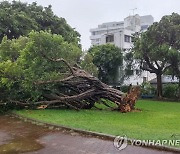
17	137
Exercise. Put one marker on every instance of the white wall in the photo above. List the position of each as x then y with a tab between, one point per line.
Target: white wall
130	25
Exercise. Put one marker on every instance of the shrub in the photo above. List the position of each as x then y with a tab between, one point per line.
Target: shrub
170	91
147	89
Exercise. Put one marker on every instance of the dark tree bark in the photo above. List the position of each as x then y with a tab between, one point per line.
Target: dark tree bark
159	85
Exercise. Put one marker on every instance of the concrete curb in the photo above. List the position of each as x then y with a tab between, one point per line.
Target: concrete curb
94	134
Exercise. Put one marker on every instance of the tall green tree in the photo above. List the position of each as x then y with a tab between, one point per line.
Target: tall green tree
153	48
18	19
108	58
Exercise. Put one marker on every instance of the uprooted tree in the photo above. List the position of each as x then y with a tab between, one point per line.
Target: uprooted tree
40	71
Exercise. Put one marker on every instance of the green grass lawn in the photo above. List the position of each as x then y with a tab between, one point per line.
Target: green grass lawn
156	120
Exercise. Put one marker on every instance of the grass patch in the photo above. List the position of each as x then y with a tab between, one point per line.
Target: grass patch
157	120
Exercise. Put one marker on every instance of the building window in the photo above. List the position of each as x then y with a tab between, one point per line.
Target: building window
109	38
93	33
132	39
144	79
127	38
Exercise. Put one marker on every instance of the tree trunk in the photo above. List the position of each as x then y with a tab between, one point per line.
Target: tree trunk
159	85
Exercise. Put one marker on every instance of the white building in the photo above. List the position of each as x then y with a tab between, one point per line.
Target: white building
121	35
146	21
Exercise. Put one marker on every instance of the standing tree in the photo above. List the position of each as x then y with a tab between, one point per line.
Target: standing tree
108	58
153	48
18	19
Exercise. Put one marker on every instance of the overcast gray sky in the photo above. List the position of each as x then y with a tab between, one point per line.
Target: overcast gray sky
86	14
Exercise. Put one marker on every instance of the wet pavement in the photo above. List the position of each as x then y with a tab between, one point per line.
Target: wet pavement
17	137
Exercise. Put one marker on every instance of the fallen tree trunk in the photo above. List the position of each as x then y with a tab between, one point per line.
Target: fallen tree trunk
88	90
82	90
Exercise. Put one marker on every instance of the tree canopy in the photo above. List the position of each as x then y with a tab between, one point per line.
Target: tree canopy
108	58
153	48
18	19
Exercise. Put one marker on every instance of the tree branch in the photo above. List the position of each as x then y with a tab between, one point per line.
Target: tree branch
59	60
146	58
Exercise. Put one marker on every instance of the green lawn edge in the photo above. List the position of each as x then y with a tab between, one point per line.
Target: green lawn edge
156	120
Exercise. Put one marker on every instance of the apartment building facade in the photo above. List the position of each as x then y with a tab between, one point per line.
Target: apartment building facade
121	35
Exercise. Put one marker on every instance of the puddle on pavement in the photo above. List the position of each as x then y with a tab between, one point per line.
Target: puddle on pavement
18	137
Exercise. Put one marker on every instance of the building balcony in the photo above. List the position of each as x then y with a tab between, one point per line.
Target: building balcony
92	37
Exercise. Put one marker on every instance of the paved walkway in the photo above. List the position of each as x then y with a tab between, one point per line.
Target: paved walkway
22	137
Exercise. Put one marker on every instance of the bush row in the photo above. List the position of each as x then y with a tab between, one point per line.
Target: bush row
169	90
